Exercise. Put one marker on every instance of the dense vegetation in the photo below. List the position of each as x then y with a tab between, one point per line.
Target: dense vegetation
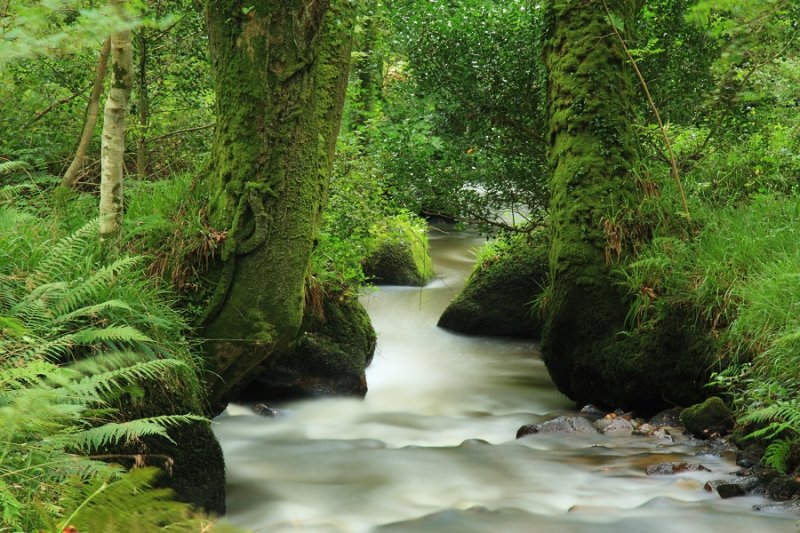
466	110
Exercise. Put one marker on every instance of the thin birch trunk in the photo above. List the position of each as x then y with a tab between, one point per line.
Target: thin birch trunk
113	145
71	176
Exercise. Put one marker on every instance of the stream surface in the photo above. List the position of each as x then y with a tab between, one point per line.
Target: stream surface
432	449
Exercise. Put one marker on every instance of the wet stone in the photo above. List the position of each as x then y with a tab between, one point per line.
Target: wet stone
727	488
781	507
617	426
592	412
262	409
669	469
559	425
670	417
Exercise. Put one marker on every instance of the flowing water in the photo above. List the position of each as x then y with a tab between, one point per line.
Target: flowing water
432	447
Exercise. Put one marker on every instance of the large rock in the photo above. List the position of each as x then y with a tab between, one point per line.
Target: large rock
560	425
711	416
329	360
659	364
193	463
400	254
498	296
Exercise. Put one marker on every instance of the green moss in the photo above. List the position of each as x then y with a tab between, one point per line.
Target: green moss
400	253
711	416
280	76
498	296
330	359
592	152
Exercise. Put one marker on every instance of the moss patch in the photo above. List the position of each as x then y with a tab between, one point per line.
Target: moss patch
329	360
400	254
498	295
711	416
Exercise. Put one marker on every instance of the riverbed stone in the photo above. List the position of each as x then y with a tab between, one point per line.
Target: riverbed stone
560	425
730	488
668	417
329	360
707	418
672	468
498	296
783	488
615	427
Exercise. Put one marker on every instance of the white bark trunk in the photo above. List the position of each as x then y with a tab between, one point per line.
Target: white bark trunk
113	142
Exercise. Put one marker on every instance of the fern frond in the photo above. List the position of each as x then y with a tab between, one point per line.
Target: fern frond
117	432
66	250
32	373
91	311
7	167
90	288
10	192
125	334
95	386
777	455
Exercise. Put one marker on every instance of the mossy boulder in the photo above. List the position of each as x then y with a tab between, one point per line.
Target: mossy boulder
711	416
399	255
329	360
498	296
192	459
657	365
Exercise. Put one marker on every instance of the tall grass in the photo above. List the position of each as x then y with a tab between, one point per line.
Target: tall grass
740	275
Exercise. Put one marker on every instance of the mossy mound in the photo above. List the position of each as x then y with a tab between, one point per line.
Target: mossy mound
711	416
658	365
498	295
400	253
329	360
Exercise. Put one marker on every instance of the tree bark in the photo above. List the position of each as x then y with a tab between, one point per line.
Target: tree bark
71	175
280	70
592	150
113	143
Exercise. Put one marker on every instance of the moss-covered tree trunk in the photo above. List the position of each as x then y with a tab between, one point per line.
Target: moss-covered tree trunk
280	69
592	152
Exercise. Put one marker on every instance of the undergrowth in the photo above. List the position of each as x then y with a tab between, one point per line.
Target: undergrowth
80	343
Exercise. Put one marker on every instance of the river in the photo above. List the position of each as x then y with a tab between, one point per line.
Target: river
432	449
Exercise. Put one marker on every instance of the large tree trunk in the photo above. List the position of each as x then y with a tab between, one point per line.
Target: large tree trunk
280	70
592	152
112	151
71	175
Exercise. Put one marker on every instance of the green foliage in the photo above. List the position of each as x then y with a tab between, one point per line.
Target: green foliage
463	128
79	345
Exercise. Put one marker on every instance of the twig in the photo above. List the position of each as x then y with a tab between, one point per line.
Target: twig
673	162
179	132
52	106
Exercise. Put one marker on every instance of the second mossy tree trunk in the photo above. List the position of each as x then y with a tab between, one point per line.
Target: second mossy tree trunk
280	69
592	155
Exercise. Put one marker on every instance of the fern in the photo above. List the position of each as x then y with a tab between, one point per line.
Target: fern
66	250
781	430
90	288
75	340
7	167
121	432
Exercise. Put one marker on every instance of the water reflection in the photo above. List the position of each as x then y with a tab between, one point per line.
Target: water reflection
432	446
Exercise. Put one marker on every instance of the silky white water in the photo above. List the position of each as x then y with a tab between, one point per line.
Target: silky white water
432	449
